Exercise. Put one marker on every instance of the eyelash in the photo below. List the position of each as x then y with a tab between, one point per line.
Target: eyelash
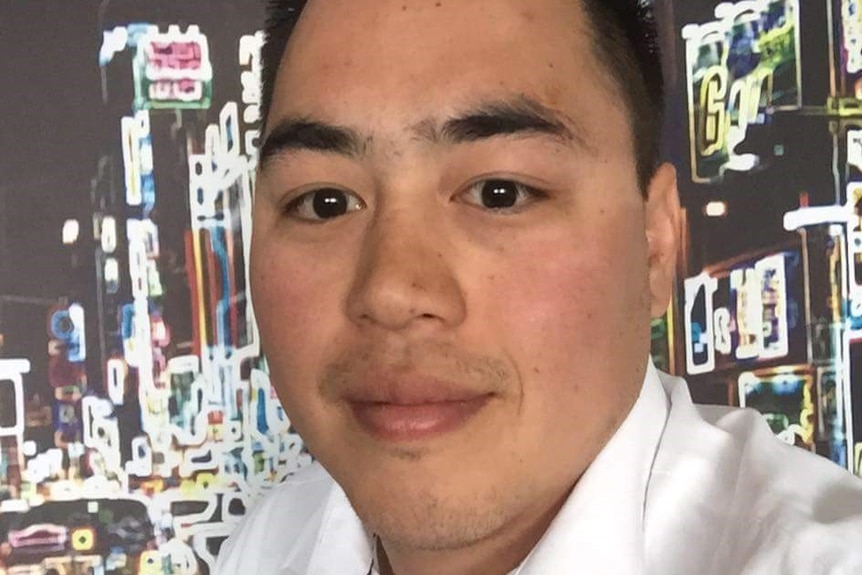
530	193
291	207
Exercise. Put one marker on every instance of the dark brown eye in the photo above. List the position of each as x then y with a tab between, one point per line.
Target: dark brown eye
329	204
501	195
324	204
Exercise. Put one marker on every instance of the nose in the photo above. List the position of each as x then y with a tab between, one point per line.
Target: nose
403	278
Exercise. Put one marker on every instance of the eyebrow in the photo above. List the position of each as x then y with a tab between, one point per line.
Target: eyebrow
306	134
506	117
518	116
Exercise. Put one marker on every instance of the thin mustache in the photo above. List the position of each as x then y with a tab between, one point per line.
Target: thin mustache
370	371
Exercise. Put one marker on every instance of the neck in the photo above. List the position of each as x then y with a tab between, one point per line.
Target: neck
497	554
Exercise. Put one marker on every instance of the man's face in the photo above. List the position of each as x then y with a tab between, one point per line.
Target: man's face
450	263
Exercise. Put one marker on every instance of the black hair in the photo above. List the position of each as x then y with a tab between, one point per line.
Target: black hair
281	18
625	38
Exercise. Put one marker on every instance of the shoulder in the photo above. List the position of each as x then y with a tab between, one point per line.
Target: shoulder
763	505
281	528
751	459
795	512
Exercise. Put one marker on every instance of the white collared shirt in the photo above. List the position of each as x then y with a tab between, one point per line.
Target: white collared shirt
678	490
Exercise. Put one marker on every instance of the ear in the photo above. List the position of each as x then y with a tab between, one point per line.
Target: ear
662	233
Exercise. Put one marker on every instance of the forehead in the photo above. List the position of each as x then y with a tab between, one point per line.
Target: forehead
400	62
379	23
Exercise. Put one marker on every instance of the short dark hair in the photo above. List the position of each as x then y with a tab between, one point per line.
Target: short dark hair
623	33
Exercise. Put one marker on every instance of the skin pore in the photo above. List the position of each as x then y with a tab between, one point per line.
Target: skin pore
447	213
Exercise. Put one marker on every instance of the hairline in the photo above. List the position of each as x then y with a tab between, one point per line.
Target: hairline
615	65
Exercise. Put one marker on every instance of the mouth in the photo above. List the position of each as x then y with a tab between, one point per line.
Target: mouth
395	421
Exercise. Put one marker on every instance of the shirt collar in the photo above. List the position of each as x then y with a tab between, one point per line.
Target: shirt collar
599	529
600	526
343	546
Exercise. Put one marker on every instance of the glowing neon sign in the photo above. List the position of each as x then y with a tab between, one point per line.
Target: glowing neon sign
854	257
740	67
786	401
249	60
851	40
742	315
138	161
172	69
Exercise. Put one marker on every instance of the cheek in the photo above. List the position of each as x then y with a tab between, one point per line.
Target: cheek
568	312
294	307
575	291
576	322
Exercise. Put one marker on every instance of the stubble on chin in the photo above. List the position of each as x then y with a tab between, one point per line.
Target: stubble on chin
430	521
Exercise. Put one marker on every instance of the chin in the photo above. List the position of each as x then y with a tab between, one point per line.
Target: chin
430	521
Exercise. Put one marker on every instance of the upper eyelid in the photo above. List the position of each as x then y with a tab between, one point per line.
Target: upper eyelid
515	178
532	195
290	207
532	189
297	194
